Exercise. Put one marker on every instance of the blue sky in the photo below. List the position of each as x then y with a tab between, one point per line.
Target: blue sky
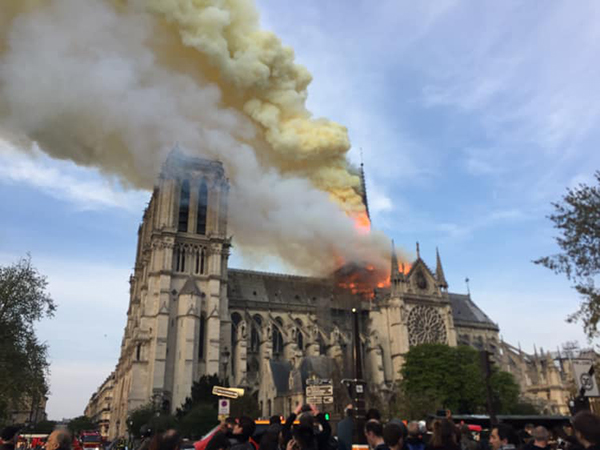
472	117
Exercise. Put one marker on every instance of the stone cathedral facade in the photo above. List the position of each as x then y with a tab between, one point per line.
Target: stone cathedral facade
190	314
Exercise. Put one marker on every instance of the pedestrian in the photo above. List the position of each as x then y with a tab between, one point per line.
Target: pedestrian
270	438
374	435
525	435
539	439
587	429
503	437
394	435
414	441
345	429
466	439
242	432
444	436
59	440
10	436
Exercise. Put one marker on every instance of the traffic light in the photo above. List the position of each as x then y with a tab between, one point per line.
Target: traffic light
327	416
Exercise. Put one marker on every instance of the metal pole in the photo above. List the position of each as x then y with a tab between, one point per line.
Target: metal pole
359	386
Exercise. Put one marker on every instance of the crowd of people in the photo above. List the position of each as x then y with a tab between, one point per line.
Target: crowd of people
309	429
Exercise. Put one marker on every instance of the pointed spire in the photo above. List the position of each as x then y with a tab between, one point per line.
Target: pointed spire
439	271
418	251
363	184
394	272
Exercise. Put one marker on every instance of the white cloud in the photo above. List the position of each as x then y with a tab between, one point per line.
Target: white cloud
85	188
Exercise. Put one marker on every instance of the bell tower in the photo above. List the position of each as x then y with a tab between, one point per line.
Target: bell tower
178	327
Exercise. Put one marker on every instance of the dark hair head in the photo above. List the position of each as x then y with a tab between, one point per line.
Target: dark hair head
375	427
9	432
393	434
374	414
444	433
588	425
529	426
305	408
304	436
230	421
248	426
171	440
274	420
505	431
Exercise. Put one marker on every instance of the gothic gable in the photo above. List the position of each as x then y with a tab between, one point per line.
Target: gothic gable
421	280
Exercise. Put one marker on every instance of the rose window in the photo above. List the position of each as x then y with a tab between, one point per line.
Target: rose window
425	325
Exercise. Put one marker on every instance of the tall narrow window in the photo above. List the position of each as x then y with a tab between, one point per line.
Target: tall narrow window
202	208
202	261
176	259
197	268
184	206
138	352
300	340
201	333
182	262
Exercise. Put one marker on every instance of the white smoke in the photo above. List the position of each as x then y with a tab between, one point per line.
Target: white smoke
82	80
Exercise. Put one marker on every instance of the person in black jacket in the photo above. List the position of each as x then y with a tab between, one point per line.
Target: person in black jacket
587	429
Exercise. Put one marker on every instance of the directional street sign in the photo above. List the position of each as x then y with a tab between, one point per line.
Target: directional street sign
319	400
319	391
318	381
227	392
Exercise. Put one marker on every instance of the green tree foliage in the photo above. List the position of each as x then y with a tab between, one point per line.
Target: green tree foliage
81	423
201	394
577	218
436	376
24	301
245	406
140	417
198	421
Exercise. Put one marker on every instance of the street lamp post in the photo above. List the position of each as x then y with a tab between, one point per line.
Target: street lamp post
358	385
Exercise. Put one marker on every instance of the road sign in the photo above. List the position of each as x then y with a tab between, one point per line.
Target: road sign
317	381
224	406
227	392
583	370
320	400
319	391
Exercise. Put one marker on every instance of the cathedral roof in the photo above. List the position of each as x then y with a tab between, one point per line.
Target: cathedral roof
466	313
276	288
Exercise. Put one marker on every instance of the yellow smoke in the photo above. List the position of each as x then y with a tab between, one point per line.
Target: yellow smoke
220	41
269	87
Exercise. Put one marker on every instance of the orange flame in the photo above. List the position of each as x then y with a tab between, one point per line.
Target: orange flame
362	223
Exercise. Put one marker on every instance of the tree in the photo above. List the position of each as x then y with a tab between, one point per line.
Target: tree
436	376
139	417
577	218
24	301
81	423
198	421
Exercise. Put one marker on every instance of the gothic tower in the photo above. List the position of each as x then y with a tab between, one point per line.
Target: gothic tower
178	325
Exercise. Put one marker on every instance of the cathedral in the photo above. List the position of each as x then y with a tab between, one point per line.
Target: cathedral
191	315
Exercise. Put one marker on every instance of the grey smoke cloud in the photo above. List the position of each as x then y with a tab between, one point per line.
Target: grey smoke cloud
83	82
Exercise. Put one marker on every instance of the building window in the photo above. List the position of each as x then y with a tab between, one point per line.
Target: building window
299	340
180	260
277	338
202	208
184	206
138	352
201	336
202	261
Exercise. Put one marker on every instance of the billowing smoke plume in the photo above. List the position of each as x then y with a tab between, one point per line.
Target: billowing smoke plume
115	84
